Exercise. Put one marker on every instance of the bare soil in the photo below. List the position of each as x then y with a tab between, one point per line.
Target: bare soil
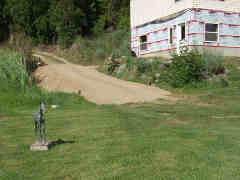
93	85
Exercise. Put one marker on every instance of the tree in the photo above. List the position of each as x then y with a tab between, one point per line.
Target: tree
3	13
68	19
113	14
30	17
60	21
4	17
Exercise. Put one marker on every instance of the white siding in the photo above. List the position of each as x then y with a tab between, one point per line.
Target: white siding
143	11
226	5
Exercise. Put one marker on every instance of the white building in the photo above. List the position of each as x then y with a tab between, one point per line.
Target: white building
161	26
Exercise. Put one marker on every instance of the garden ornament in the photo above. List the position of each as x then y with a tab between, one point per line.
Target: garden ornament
39	125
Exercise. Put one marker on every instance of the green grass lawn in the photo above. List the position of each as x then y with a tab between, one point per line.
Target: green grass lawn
196	138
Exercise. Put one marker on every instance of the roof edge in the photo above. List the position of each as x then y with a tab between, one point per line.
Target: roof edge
166	18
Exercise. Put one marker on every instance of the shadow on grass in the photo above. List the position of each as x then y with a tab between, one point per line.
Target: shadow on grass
60	142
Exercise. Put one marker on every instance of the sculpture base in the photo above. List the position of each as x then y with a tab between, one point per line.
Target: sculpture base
40	147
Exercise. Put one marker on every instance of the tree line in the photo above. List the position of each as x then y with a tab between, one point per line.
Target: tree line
59	21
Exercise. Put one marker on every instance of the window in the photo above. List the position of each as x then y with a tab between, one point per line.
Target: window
211	32
183	32
143	42
171	35
227	14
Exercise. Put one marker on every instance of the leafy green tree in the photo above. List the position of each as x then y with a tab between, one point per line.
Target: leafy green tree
113	14
3	14
4	20
68	19
31	17
48	21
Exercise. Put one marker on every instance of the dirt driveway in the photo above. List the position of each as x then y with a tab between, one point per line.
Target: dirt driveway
93	85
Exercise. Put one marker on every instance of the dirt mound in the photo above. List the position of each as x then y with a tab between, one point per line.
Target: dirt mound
95	86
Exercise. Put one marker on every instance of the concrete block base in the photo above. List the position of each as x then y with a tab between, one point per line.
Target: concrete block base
40	147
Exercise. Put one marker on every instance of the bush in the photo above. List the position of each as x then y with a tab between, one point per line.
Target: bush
143	66
186	68
214	63
130	61
192	67
112	63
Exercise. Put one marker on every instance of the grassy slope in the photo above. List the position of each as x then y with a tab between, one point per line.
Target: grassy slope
196	139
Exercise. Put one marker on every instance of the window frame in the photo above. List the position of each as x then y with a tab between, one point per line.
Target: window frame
208	32
145	43
170	35
185	32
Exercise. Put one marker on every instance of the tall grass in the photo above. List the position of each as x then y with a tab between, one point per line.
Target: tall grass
94	50
12	69
17	88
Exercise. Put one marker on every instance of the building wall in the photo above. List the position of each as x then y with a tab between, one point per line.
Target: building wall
229	28
144	11
222	51
158	33
226	5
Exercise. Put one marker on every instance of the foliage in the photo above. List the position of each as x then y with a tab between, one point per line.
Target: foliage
114	13
95	50
59	21
3	13
141	70
130	63
30	17
143	66
192	67
214	63
112	63
18	88
185	68
68	19
13	71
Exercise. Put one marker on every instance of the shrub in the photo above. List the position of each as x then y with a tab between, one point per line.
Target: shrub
192	67
186	68
112	63
130	62
143	66
100	53
214	63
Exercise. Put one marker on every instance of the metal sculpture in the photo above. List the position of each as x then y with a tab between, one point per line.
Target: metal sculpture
39	125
